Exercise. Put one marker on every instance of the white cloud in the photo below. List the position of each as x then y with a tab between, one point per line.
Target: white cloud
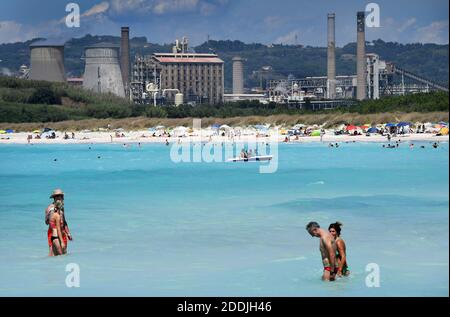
290	38
407	24
436	32
273	21
11	32
161	7
97	9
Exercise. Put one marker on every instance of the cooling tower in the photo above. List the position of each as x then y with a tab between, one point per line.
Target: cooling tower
125	58
238	75
361	57
47	62
331	65
102	71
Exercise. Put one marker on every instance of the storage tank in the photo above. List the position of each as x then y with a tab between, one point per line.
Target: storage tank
179	99
102	71
47	61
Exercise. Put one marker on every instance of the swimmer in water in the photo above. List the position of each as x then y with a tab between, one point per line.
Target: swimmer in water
327	248
342	268
167	142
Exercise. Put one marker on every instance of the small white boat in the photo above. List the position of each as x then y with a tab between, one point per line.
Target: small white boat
252	159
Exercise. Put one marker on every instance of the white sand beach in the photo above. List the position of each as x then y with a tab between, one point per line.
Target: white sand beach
145	136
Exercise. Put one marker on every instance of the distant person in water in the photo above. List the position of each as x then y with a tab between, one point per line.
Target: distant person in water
327	248
342	268
58	198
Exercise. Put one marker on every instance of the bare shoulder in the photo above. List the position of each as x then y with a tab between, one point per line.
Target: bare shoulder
51	206
340	243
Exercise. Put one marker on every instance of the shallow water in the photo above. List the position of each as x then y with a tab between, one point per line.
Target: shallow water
145	226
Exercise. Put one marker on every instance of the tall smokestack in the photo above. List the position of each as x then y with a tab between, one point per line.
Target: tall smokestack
125	58
238	75
331	65
361	57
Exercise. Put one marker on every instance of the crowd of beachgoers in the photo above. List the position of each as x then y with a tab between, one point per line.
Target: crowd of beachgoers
298	133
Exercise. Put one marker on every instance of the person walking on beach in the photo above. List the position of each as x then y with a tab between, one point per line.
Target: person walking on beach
342	268
57	196
327	248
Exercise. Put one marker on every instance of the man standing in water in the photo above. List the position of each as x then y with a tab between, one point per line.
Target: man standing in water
327	248
57	195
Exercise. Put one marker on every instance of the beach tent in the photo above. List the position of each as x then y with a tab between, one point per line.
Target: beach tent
315	133
9	131
298	126
180	131
373	130
225	127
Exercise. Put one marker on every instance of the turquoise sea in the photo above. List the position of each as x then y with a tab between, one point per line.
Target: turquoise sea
145	226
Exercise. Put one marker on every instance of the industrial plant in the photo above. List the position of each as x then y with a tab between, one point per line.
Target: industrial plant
178	77
186	77
47	62
374	78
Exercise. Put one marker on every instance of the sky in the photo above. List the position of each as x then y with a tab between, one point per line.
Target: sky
251	21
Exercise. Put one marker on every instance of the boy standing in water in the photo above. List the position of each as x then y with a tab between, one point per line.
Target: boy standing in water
327	248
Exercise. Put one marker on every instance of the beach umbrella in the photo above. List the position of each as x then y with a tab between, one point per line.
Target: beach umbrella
2	131
351	127
365	127
37	131
444	131
403	124
373	130
389	125
9	131
224	127
444	124
315	133
216	126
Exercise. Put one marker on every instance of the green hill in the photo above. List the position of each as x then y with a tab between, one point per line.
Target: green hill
427	60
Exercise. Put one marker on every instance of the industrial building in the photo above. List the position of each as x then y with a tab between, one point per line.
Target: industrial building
47	61
102	70
374	79
196	78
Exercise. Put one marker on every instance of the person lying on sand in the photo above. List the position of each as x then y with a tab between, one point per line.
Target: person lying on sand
327	248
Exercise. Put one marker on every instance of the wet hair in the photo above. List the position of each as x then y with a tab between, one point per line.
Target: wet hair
312	225
336	226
